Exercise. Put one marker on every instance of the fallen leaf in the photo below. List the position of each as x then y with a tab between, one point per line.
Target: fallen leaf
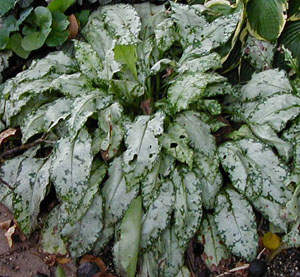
93	259
9	233
5	224
63	260
73	26
6	134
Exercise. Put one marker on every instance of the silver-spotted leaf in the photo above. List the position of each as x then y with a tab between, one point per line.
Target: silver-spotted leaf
235	221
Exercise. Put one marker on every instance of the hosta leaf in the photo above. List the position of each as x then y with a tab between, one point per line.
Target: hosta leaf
214	249
157	217
51	240
175	142
31	186
70	168
240	235
187	206
266	18
83	107
83	234
291	38
188	88
256	172
127	247
259	53
206	163
117	198
112	132
142	146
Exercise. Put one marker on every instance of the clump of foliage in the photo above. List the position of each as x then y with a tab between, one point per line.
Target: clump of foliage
25	27
130	113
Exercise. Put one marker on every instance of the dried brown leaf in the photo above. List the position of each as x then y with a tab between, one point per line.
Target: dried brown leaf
6	134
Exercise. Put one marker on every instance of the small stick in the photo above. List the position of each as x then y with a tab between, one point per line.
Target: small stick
245	266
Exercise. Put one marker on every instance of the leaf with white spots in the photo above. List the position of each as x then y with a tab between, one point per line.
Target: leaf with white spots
70	168
31	187
206	162
143	146
256	172
157	217
116	197
187	206
235	221
214	249
175	141
84	233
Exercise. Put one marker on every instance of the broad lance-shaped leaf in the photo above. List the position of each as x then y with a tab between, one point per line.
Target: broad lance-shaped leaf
83	107
143	147
256	172
157	217
190	87
51	240
126	249
150	186
31	187
45	118
84	233
187	206
214	249
111	131
236	224
175	142
9	174
206	162
194	30
117	197
70	168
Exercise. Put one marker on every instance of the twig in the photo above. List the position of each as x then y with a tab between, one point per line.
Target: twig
245	266
5	183
23	147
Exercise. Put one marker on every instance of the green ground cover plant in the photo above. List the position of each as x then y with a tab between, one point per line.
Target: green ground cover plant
129	115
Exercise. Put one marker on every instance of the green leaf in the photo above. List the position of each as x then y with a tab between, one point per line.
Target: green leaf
266	19
126	249
157	217
206	162
60	5
256	172
60	272
35	39
6	5
143	147
117	198
214	249
84	233
16	46
176	143
188	88
70	168
291	38
58	34
240	235
126	54
9	25
187	206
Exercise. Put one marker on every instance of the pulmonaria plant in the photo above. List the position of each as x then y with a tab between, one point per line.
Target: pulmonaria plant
130	110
